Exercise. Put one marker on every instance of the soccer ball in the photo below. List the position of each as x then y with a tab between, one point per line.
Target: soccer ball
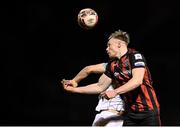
87	18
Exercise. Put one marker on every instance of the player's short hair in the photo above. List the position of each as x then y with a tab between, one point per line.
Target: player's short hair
121	35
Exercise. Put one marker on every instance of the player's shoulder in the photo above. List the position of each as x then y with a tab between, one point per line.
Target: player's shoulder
134	54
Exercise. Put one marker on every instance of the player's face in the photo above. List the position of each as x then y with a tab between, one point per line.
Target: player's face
113	48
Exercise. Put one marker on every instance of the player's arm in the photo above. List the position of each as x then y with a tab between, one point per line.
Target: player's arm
97	68
134	82
94	88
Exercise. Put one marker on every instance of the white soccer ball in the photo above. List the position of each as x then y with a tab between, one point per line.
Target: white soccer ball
87	18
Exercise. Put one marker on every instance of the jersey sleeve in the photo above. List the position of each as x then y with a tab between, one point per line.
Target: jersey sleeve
105	65
137	60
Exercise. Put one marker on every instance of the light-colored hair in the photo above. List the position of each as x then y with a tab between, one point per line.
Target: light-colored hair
121	35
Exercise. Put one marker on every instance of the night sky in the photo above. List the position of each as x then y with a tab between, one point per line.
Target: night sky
42	43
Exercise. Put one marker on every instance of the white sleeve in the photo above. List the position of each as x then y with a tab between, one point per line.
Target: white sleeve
104	65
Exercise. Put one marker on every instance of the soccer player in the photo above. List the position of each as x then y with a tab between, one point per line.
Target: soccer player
109	110
130	69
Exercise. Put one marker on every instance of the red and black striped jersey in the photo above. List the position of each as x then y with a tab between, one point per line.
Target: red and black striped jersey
143	97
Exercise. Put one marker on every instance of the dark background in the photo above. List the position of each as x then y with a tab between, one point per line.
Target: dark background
42	43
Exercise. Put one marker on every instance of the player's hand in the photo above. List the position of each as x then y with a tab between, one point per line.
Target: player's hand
109	94
69	83
67	86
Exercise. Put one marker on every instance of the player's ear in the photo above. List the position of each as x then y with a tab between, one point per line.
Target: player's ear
119	44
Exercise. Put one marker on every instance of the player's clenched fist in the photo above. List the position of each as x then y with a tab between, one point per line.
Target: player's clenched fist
69	83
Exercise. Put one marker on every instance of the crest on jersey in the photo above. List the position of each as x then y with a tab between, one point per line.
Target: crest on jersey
116	74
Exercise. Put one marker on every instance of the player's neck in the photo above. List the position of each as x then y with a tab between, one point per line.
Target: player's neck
123	51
